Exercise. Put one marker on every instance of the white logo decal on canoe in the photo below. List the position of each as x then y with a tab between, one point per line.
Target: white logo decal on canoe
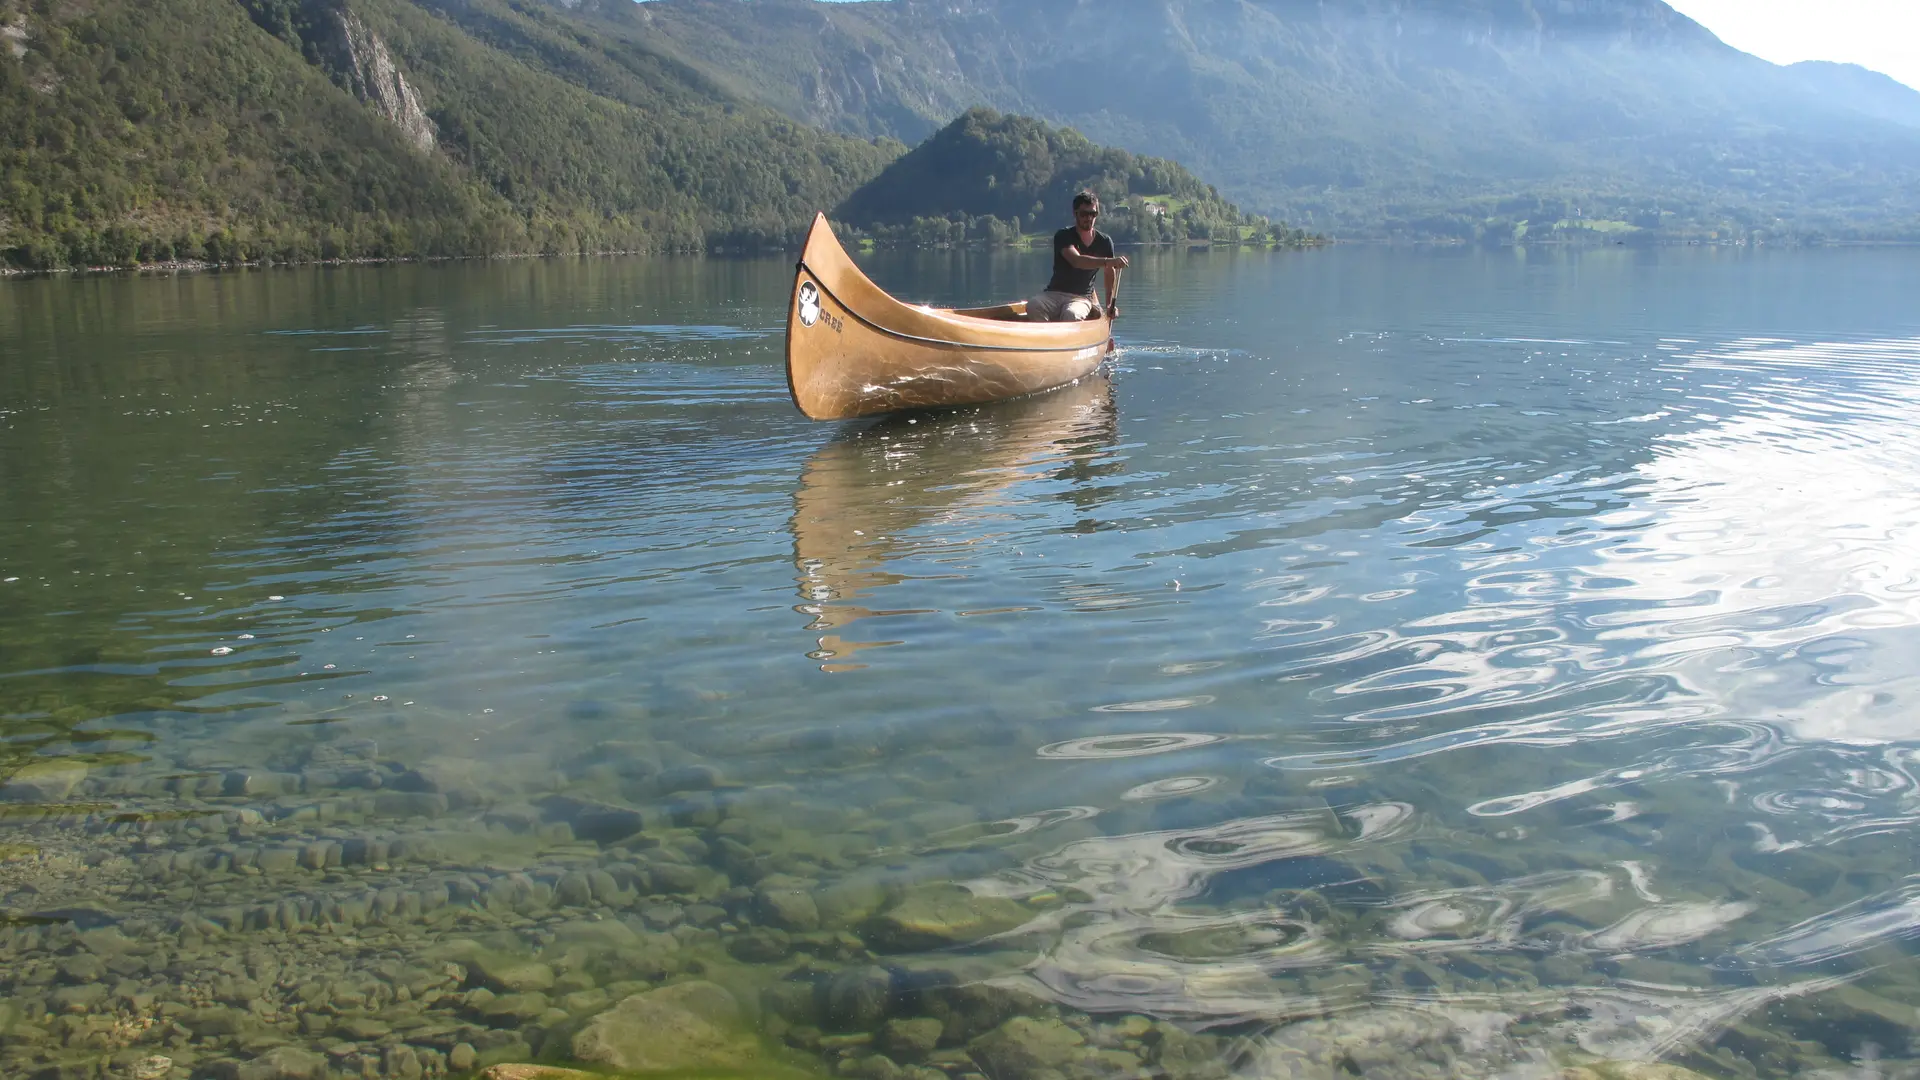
809	304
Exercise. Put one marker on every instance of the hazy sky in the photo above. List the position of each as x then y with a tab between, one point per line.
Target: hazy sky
1881	34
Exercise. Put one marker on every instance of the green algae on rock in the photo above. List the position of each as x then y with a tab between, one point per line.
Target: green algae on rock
43	781
936	916
690	1025
1026	1046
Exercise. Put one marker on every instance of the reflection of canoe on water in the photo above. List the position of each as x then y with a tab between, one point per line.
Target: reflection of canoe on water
870	498
853	350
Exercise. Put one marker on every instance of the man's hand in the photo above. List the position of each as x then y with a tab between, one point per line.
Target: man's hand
1113	310
1118	262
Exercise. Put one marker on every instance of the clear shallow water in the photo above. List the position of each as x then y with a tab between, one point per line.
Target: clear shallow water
1400	664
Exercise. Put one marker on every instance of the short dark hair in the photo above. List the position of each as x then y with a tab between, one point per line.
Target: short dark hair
1086	198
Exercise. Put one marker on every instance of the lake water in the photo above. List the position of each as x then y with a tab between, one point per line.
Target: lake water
1399	664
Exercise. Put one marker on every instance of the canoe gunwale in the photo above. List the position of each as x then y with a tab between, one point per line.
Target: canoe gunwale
945	312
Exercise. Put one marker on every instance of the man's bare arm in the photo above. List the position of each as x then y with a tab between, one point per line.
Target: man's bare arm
1080	261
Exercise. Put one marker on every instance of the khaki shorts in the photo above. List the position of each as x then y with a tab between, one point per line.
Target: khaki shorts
1059	307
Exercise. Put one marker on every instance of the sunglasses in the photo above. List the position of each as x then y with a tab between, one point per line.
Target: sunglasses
1086	213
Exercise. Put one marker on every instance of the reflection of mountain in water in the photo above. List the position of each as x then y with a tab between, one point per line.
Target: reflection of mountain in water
869	498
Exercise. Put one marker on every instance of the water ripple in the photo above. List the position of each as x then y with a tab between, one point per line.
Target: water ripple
1126	746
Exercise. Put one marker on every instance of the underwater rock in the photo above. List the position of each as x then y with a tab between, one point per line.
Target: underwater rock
787	905
510	975
687	778
216	1020
454	778
911	1040
362	1028
857	999
849	902
1182	1055
277	860
677	879
82	969
78	999
43	781
585	1002
533	1072
1389	1044
970	1010
686	1026
1629	1070
600	822
258	784
595	934
1880	1020
572	890
705	915
505	1052
761	945
514	1008
283	1063
793	1000
875	1067
936	916
1025	1045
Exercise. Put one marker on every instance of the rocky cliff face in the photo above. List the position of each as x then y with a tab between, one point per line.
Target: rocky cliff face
331	35
370	72
13	29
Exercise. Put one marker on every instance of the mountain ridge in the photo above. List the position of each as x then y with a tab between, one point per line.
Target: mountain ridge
1861	89
1451	118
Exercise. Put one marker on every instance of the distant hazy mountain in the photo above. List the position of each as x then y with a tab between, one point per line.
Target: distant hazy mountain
1862	90
1455	117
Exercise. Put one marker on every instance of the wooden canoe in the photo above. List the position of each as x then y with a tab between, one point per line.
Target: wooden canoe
853	350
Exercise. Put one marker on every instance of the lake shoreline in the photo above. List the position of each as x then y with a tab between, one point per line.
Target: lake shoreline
185	266
188	266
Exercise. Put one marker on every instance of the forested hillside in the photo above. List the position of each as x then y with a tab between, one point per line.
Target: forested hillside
991	177
139	130
136	130
1457	118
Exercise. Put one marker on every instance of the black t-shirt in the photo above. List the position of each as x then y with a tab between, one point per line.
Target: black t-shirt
1068	278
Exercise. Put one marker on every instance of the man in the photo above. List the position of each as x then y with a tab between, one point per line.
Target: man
1080	253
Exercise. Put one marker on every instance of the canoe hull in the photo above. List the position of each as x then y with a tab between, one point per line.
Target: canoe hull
853	350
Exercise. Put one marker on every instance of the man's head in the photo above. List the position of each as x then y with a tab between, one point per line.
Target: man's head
1086	209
